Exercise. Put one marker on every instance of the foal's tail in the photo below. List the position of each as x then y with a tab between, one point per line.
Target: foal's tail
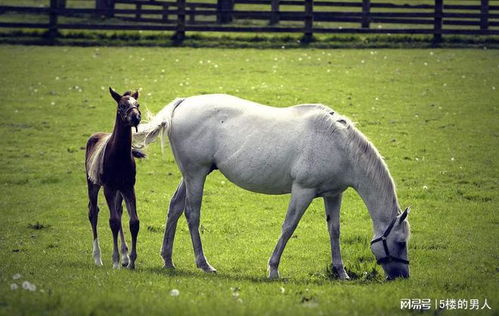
158	125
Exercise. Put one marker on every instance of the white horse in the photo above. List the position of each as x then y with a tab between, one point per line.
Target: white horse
307	150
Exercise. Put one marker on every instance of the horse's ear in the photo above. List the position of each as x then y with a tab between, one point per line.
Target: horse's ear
116	96
403	216
135	95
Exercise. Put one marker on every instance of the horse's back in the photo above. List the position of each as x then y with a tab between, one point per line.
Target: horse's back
260	148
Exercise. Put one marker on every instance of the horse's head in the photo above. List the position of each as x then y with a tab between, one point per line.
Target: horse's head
390	249
128	107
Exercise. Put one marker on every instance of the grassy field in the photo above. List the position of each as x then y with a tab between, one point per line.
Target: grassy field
433	114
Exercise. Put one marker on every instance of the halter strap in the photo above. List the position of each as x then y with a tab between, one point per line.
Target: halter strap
387	258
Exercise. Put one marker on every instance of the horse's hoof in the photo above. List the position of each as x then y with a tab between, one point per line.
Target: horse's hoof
208	268
131	266
169	266
116	265
274	275
98	262
344	277
341	273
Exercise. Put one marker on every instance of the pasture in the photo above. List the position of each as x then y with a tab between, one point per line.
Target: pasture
432	113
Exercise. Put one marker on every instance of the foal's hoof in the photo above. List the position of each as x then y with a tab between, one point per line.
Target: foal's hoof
116	265
98	262
125	261
131	266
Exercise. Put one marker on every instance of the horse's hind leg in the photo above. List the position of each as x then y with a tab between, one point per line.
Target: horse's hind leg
114	222
93	214
194	195
300	200
332	204
177	206
124	248
129	196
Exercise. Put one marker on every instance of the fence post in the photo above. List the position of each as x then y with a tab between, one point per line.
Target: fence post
52	31
180	32
138	8
274	17
224	11
437	21
366	7
309	21
484	15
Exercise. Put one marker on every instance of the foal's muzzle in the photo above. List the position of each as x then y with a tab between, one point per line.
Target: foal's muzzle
134	116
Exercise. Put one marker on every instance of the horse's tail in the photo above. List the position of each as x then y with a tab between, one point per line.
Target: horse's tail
158	125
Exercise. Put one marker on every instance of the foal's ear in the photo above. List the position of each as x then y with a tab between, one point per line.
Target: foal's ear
403	216
116	96
135	95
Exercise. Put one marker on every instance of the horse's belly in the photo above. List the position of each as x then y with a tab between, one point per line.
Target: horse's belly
260	183
261	174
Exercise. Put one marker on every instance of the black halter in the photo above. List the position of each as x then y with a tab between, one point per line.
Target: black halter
387	258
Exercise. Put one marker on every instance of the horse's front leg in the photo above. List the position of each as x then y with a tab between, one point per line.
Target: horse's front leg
194	195
177	206
130	201
332	205
300	200
114	222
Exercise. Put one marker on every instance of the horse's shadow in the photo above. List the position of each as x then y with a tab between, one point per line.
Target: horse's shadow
315	279
322	280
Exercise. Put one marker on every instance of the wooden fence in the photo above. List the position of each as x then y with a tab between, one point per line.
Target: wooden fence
290	16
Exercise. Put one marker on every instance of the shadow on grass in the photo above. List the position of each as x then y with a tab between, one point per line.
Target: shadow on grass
262	41
323	277
316	278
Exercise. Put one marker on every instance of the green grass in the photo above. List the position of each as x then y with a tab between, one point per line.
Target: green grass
433	114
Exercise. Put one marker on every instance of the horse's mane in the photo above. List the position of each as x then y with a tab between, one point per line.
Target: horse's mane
95	160
365	155
362	152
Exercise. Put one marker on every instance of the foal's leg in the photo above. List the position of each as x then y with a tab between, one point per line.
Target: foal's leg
300	200
124	248
93	214
194	195
177	205
332	204
114	222
129	196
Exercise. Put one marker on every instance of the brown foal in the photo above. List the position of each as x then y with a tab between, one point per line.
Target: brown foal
110	163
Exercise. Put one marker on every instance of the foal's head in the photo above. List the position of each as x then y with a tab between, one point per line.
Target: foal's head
128	107
390	249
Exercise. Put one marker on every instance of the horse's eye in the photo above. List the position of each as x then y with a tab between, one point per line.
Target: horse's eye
138	105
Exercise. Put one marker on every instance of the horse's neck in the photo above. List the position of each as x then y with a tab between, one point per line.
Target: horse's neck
121	138
380	198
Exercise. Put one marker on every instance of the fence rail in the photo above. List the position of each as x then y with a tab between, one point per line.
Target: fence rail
289	16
